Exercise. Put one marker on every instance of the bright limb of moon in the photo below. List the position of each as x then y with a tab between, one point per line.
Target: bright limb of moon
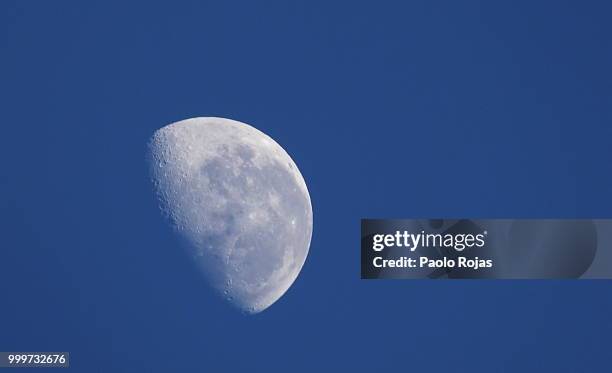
239	202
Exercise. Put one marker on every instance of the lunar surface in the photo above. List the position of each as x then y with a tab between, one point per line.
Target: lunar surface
239	203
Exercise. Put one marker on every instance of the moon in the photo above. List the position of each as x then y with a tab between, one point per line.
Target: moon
238	202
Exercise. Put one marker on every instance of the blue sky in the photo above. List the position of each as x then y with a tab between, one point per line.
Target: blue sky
390	109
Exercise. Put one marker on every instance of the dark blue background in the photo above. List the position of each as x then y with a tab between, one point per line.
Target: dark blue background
390	110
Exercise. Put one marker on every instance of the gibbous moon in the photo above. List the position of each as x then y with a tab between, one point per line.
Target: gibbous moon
239	202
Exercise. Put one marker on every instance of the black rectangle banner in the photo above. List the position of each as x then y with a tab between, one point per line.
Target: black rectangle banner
486	248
